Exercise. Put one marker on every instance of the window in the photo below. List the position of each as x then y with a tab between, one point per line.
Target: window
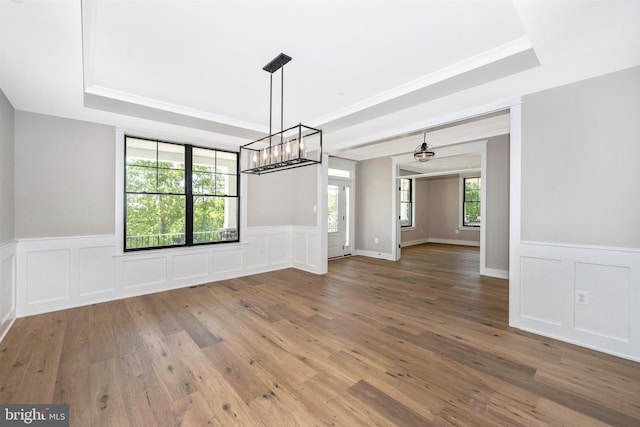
471	202
333	195
339	173
406	205
178	195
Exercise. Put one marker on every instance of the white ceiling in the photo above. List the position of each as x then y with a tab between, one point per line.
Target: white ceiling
364	71
439	166
483	127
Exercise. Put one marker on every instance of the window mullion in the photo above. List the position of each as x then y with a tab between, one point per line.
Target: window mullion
157	166
188	194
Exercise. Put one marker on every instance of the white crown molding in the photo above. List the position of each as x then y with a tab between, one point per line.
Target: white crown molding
506	50
88	18
169	107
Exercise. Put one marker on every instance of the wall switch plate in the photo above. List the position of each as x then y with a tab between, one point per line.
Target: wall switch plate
582	297
375	240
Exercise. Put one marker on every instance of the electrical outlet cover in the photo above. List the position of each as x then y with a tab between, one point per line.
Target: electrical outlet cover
582	297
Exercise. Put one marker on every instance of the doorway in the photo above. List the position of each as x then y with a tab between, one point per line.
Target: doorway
339	218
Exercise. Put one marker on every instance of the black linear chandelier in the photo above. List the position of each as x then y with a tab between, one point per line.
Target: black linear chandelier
294	147
424	152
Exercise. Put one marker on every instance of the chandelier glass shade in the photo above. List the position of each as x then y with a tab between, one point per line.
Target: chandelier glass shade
424	152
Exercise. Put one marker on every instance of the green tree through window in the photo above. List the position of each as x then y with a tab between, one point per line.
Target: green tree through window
406	198
179	195
471	202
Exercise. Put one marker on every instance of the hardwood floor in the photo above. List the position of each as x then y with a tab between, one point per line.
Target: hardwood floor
424	341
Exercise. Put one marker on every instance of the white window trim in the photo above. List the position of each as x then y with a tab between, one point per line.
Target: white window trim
119	187
461	200
413	206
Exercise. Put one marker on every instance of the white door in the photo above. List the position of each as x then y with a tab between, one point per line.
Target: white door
338	194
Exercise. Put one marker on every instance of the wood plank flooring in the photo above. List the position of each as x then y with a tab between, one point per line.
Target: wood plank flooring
419	342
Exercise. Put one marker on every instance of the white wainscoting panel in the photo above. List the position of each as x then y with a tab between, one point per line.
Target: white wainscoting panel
257	251
541	289
7	286
144	271
299	249
58	273
96	270
269	248
48	275
606	312
306	249
313	251
280	248
189	266
605	318
228	261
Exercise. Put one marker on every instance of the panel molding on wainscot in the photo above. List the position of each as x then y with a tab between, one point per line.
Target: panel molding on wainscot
59	273
306	249
584	295
7	286
269	248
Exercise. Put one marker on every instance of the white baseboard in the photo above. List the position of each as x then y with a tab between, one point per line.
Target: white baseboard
414	242
454	242
6	325
372	254
580	343
437	240
495	272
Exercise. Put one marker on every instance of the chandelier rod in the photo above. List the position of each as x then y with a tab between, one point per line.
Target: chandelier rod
281	103
270	108
276	64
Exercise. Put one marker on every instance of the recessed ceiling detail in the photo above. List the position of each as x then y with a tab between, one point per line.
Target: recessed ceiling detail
364	71
185	69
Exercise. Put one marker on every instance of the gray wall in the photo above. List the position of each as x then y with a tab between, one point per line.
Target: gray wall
65	181
305	195
269	199
437	211
373	205
497	203
444	210
580	173
283	198
420	229
7	183
438	202
64	177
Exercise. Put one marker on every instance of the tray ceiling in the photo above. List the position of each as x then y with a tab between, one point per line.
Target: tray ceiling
364	71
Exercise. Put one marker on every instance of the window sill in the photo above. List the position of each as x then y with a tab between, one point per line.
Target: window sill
410	228
469	228
178	250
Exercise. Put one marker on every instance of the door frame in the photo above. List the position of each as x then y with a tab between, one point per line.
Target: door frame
514	106
474	147
346	165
